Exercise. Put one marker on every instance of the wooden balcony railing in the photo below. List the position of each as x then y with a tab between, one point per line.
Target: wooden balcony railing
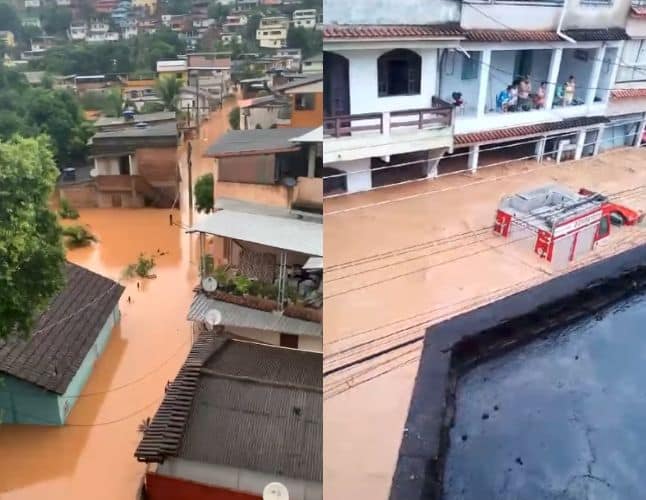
440	114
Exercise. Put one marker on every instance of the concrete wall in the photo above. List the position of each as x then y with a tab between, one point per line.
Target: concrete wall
266	194
636	27
581	70
82	195
308	117
25	403
161	487
68	399
361	181
391	12
265	117
157	165
634	54
451	80
363	83
588	16
305	342
543	17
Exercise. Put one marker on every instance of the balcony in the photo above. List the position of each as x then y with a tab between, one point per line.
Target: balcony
387	133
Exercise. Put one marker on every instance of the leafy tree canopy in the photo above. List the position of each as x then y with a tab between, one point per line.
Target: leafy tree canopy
308	40
204	193
31	253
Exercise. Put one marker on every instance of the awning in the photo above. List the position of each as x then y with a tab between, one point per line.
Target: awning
314	263
315	135
277	232
247	317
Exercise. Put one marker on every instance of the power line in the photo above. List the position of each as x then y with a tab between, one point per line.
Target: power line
425	268
449	188
409	342
477	232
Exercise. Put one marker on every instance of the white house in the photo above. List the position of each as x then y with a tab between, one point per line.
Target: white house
77	31
272	32
304	18
32	4
465	57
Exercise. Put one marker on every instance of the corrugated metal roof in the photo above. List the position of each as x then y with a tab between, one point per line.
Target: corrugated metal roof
357	31
160	130
64	333
526	130
277	232
247	317
300	82
314	263
243	405
627	93
257	141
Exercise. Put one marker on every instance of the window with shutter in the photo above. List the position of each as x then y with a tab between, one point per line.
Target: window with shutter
399	73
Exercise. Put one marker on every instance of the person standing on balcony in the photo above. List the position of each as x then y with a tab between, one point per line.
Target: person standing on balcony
524	89
513	97
569	89
539	97
502	100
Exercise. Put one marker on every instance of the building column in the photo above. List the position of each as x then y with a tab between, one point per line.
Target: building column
540	149
613	72
552	75
474	153
597	144
640	134
580	142
385	123
483	82
593	83
311	160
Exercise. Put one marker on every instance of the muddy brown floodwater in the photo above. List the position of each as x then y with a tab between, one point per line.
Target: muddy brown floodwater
92	456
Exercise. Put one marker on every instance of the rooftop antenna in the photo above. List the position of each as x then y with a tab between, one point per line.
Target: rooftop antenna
275	491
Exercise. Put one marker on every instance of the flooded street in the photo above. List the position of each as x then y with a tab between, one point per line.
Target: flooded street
92	456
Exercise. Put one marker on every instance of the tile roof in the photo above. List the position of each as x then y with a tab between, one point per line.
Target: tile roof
257	141
526	130
453	30
50	357
360	31
637	11
627	93
243	405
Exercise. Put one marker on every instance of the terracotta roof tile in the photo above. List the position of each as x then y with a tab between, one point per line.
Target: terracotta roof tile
638	11
627	93
361	31
511	36
526	130
593	35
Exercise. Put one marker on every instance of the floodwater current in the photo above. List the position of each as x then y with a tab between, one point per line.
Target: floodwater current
563	418
92	456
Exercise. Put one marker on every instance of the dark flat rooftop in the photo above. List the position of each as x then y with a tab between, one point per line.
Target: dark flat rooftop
257	141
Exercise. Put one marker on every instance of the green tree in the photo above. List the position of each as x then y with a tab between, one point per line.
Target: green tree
113	104
152	107
204	193
234	118
219	11
31	253
176	7
55	20
253	22
10	21
308	40
168	88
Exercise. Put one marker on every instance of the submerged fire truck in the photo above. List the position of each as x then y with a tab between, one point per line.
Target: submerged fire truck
560	225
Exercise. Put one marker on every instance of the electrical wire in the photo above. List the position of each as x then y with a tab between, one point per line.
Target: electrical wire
431	266
476	232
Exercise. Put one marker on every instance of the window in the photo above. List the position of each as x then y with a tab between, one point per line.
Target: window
597	2
303	102
400	73
124	165
470	66
287	340
604	228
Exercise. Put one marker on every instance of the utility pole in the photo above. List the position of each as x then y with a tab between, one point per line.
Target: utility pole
189	166
197	103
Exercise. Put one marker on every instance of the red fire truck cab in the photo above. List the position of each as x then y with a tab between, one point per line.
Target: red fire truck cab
616	214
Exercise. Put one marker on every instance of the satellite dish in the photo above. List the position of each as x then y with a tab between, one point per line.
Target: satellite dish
212	318
209	284
275	491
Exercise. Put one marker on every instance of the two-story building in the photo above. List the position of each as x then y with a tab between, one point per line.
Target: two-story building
178	68
272	32
559	59
304	18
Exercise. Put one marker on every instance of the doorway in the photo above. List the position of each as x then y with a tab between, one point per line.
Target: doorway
124	165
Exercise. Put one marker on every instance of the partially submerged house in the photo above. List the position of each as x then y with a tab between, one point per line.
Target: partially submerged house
271	290
237	417
134	166
129	120
44	373
279	167
306	96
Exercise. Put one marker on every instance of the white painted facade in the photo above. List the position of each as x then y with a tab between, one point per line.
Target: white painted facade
231	38
32	4
304	18
272	32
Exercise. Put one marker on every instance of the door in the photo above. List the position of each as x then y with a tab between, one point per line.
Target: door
336	88
124	165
